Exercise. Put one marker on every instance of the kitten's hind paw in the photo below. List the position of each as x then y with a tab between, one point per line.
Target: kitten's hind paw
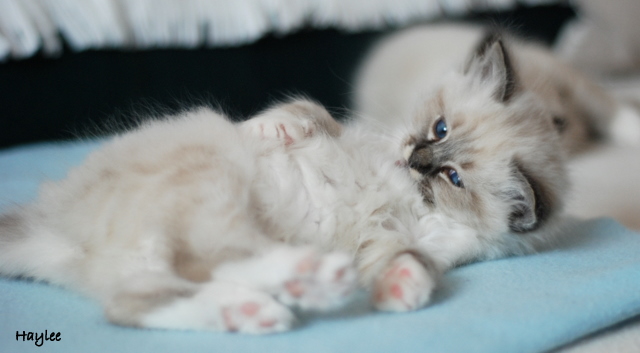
220	306
319	282
296	276
257	317
404	286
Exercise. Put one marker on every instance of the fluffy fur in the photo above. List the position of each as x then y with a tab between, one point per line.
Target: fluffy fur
194	222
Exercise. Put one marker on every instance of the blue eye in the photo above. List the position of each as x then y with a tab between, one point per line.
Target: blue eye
453	176
440	129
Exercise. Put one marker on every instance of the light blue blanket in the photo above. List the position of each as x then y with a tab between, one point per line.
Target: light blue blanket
525	304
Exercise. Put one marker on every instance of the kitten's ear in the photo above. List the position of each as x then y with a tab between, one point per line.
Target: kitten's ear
492	66
530	205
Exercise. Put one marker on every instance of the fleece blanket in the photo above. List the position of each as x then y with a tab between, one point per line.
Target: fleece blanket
523	304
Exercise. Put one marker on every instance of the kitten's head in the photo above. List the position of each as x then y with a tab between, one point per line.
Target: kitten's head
484	151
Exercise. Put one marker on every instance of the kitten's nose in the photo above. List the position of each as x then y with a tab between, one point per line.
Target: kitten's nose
421	159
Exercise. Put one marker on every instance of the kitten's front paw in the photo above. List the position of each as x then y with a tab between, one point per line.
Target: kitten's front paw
404	286
280	125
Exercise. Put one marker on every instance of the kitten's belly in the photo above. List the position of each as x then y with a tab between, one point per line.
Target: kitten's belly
301	200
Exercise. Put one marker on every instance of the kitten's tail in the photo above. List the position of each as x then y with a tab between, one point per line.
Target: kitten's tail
27	250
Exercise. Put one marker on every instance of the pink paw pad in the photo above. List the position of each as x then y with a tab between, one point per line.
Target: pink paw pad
318	281
340	274
256	317
405	272
288	140
307	265
267	323
396	291
295	288
250	308
405	286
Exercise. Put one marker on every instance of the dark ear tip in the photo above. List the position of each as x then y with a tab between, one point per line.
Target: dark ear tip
482	47
492	56
490	38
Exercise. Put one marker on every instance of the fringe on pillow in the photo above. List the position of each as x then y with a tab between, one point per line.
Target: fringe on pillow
27	26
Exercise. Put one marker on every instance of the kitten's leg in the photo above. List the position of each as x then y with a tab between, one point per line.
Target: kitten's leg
169	302
292	122
409	279
406	284
402	278
297	276
249	295
450	244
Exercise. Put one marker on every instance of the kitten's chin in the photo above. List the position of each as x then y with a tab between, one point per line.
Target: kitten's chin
415	175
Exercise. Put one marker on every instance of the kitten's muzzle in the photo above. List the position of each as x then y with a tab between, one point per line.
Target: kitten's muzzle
421	159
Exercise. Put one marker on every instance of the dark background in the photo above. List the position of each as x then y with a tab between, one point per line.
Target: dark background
81	93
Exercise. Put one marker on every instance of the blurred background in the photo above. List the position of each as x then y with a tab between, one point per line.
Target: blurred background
70	65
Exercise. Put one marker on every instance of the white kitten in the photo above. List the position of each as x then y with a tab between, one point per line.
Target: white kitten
194	222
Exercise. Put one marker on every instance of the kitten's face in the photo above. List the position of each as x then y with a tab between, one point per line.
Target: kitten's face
484	153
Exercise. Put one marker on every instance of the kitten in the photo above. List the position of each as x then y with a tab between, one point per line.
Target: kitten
194	222
402	69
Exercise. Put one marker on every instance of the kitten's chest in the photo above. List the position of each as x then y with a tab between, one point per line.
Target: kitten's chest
328	194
